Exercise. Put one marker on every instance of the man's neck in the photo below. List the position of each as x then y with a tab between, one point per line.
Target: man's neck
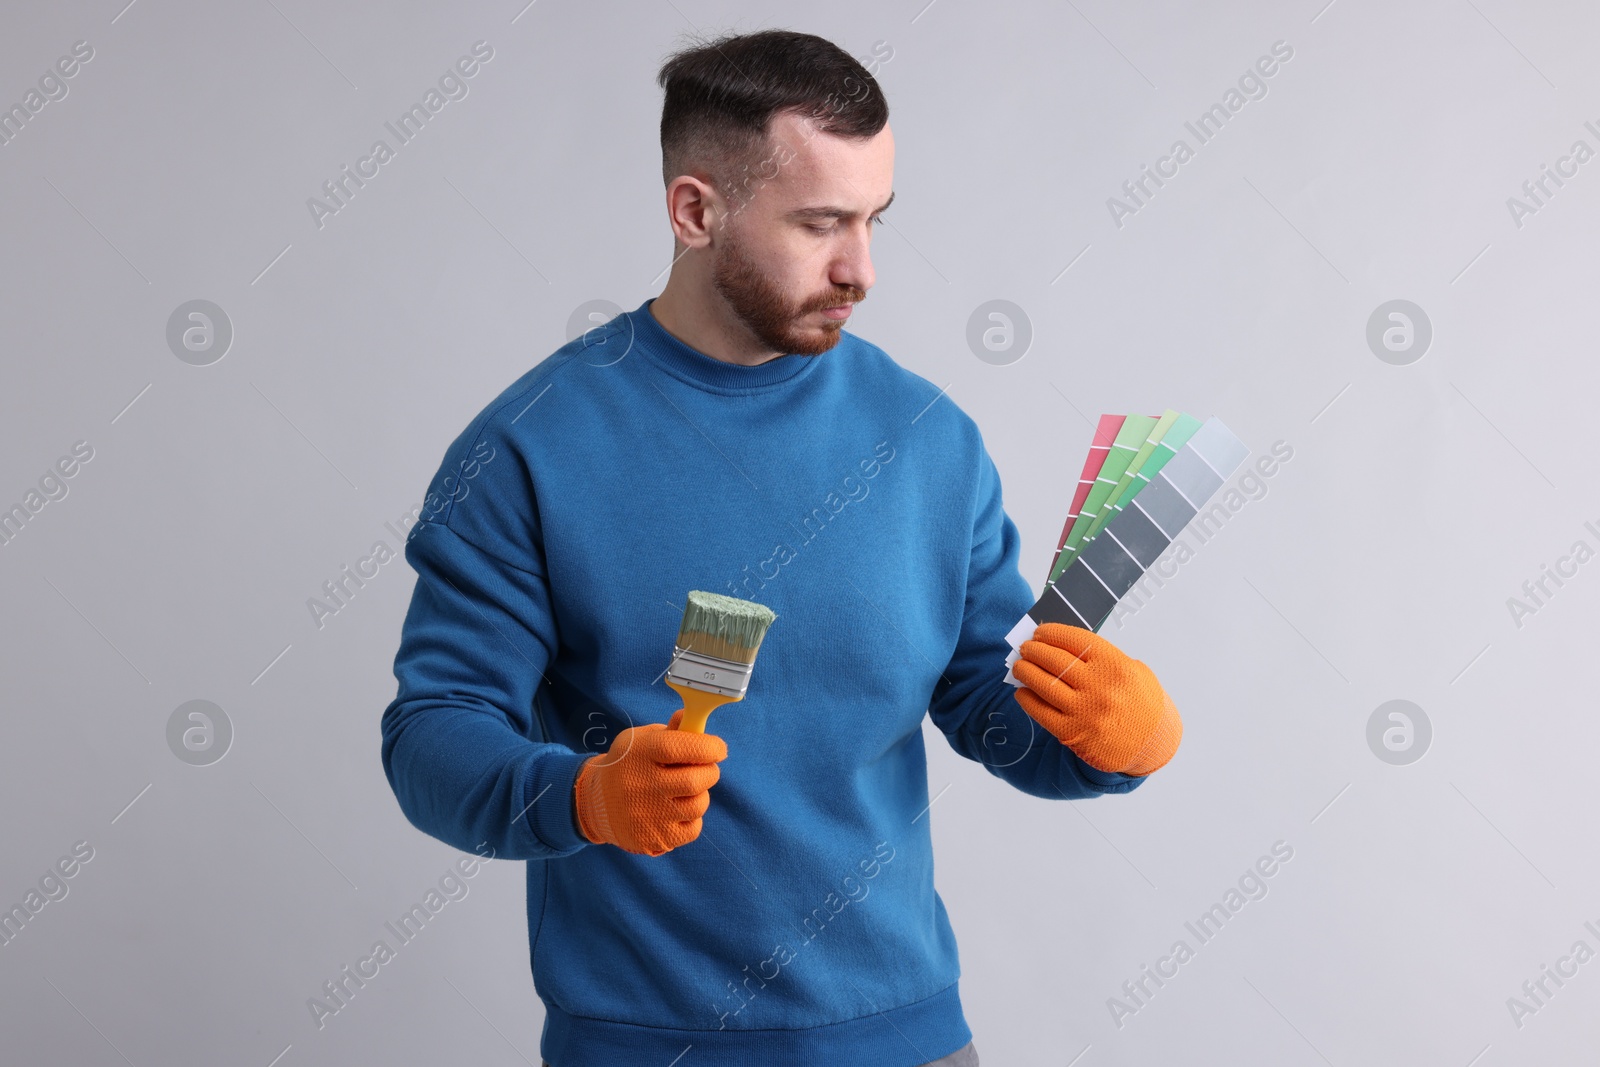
698	325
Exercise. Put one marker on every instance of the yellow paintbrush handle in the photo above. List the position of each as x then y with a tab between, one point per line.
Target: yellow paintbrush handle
697	707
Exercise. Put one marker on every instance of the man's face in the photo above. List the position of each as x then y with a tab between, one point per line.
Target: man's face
798	239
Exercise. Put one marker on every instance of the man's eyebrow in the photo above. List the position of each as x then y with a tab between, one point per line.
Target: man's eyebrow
834	212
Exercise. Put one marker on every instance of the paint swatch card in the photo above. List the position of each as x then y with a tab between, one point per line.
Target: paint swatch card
1125	487
1130	438
1104	434
1168	488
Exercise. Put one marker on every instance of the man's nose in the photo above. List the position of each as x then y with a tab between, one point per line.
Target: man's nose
854	267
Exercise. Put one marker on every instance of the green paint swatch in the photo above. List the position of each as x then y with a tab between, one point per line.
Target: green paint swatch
1129	483
1135	431
1183	428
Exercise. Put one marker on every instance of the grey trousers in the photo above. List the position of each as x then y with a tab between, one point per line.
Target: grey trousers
966	1056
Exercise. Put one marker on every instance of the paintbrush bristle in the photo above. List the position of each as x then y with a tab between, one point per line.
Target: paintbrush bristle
724	626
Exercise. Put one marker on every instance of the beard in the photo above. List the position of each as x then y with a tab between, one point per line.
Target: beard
768	313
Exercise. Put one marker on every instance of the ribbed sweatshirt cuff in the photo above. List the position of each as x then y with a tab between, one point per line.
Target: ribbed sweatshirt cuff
551	816
1098	777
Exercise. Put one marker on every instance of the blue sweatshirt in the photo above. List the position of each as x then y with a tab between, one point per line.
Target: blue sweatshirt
564	529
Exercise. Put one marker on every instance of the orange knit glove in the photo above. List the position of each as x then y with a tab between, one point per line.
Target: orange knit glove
1095	699
646	793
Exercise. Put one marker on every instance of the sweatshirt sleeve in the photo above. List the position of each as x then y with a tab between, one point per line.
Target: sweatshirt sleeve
973	705
463	746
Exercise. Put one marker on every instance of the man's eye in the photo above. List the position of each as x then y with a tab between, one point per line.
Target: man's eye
876	219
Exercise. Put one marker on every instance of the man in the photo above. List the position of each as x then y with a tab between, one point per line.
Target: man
761	893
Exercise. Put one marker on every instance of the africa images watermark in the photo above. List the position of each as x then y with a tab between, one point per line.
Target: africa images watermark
452	86
52	87
1252	885
1252	85
1531	1001
340	990
1251	485
813	523
1579	154
1579	554
855	92
52	486
337	592
53	887
855	890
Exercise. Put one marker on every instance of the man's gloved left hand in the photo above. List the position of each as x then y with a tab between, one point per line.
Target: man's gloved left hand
1098	701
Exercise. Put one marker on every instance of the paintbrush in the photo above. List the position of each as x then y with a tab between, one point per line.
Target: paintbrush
715	653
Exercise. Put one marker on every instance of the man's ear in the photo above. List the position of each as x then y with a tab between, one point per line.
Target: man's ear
693	210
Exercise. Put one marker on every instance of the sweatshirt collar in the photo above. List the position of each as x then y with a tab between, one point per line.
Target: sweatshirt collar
707	372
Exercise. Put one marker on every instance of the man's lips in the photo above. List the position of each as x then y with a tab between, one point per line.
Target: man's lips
840	312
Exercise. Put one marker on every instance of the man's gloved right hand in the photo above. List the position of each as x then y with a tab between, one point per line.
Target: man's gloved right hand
646	794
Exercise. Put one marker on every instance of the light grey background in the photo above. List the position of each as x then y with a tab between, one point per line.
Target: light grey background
1377	566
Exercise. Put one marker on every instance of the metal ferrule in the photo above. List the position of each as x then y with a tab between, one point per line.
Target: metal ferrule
712	674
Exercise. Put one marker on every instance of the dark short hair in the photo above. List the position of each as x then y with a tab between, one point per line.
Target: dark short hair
721	95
